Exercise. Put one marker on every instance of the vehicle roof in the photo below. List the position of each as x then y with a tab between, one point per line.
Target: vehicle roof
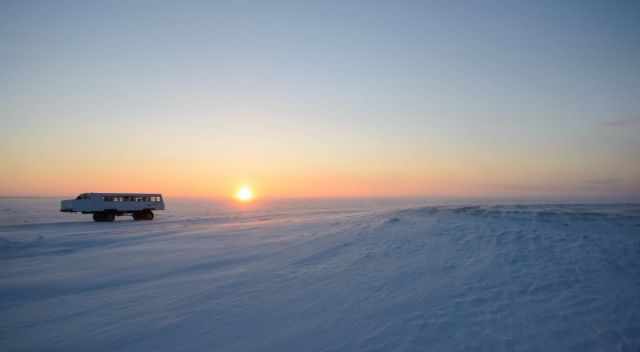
125	194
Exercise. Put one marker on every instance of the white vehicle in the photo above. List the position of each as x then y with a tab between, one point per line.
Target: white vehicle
106	206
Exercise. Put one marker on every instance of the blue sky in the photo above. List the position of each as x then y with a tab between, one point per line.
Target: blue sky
403	98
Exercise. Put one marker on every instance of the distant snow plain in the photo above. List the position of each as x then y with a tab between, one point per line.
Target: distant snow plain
327	277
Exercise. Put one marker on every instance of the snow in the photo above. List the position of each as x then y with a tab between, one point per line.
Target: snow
323	277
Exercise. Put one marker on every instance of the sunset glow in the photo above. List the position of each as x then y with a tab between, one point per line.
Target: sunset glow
399	101
244	194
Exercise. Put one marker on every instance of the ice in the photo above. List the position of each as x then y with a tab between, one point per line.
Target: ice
324	277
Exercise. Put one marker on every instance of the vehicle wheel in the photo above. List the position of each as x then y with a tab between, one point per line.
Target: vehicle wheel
103	217
143	215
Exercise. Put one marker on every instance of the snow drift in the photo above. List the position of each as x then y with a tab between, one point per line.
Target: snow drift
448	278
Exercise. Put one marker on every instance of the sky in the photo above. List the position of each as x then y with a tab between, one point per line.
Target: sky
530	99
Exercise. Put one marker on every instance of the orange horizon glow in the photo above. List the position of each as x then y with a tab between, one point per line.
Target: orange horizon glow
277	174
197	182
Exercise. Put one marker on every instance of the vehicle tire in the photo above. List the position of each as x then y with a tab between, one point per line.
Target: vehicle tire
103	217
143	215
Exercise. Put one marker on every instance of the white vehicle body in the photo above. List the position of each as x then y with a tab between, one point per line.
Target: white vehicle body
105	206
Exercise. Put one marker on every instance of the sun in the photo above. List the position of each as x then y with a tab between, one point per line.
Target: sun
244	194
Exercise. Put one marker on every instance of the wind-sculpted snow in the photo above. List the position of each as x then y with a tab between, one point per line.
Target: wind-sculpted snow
439	278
